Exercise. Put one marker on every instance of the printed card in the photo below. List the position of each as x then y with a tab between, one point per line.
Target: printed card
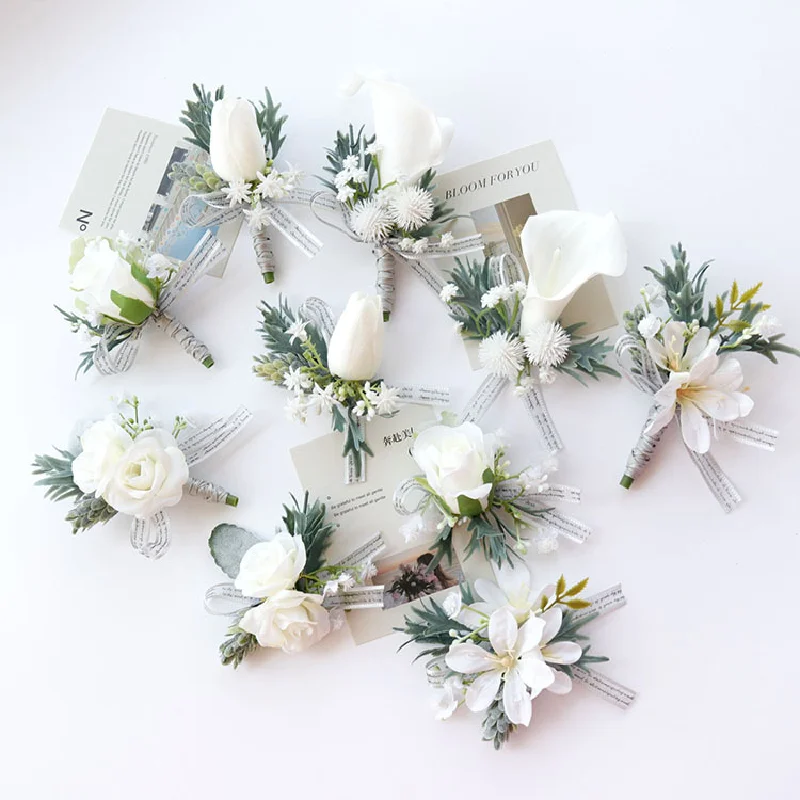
125	185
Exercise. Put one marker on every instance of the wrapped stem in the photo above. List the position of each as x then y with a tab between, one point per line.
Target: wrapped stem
385	261
211	492
265	258
176	330
642	452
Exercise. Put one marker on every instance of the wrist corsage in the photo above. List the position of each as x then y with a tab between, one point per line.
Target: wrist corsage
681	352
122	287
332	369
383	184
128	464
467	482
496	648
284	594
517	324
243	140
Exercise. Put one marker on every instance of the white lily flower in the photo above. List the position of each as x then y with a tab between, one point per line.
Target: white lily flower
512	590
519	663
701	383
563	251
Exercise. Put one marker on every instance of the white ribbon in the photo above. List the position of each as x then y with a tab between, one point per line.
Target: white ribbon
151	536
110	359
639	368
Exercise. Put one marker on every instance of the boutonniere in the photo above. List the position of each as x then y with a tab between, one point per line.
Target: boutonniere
242	179
497	647
383	184
332	369
128	464
467	481
521	340
122	287
682	352
284	594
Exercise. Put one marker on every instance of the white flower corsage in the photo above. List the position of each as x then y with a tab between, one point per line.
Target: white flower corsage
127	464
284	594
383	184
497	647
121	286
521	339
243	140
681	350
332	369
467	482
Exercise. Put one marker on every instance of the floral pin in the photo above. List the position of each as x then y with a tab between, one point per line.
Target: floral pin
333	369
242	140
521	340
383	184
497	647
467	481
128	464
121	287
682	352
284	594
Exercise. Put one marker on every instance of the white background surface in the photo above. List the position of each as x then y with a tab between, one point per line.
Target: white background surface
680	117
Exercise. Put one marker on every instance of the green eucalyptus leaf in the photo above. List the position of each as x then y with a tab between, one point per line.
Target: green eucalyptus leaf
488	475
131	310
228	544
468	506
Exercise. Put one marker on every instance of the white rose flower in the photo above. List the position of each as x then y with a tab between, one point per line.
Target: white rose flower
454	461
235	146
411	138
105	283
563	251
149	476
102	446
269	567
356	346
289	619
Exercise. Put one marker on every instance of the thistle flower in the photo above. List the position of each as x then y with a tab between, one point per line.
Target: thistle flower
371	221
547	345
502	355
412	207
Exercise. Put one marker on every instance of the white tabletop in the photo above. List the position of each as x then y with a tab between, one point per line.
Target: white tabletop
680	117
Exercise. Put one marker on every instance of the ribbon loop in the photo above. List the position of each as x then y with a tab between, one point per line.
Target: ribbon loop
204	442
318	312
151	536
225	600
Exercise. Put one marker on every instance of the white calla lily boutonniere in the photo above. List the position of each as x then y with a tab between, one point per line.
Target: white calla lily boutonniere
516	323
496	647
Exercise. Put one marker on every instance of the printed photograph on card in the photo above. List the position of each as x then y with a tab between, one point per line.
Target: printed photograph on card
362	509
496	197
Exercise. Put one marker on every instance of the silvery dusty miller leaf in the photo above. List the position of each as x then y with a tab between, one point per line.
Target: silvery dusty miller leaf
228	544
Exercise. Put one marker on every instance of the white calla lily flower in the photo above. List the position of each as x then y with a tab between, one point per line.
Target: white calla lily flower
563	251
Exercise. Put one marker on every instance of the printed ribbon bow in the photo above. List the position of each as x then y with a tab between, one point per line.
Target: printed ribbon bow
639	368
110	359
151	535
388	251
216	210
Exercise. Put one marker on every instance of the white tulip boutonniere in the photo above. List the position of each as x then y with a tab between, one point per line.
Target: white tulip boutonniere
284	595
383	183
496	647
127	464
333	368
243	140
517	322
467	481
682	352
121	286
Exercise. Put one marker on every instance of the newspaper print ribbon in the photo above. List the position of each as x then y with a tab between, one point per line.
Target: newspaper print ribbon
319	314
224	599
218	210
119	345
150	536
601	604
388	252
640	369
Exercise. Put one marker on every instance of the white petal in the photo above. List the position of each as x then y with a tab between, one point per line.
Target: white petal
514	580
516	700
552	619
694	428
717	405
534	672
728	377
482	691
745	403
703	368
562	652
697	344
494	596
562	683
662	418
658	353
530	634
503	631
468	658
